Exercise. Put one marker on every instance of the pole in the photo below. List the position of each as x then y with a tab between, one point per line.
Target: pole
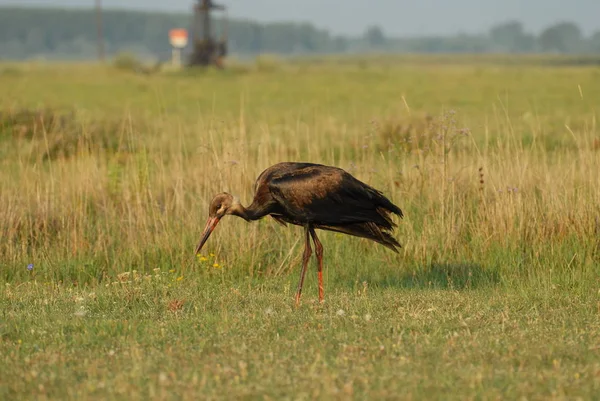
176	57
206	5
100	39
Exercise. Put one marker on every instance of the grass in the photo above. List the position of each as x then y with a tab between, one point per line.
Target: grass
105	179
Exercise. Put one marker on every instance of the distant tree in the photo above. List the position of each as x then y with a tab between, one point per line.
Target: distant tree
340	44
374	37
594	42
312	39
71	33
36	39
564	37
506	33
527	43
511	37
256	44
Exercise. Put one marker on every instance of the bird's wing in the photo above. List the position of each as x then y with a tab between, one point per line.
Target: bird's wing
329	196
279	220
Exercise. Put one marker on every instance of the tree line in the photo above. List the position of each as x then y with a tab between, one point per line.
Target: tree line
59	33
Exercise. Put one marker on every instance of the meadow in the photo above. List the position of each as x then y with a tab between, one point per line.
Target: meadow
105	179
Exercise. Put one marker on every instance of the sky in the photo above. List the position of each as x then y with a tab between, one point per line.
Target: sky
395	17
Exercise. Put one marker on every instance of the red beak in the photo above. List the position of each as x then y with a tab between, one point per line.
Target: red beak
210	226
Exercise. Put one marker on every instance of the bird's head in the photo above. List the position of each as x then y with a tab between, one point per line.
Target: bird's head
220	205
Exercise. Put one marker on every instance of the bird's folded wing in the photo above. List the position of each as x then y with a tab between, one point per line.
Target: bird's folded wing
329	196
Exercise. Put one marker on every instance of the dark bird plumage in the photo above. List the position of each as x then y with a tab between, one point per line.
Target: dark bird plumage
314	196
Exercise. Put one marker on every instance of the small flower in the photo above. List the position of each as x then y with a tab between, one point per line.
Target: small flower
123	277
172	271
179	278
81	312
202	259
30	267
216	265
212	255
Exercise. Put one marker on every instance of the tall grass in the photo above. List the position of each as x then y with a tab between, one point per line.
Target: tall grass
88	197
105	180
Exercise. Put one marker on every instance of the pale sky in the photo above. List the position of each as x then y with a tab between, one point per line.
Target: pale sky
396	17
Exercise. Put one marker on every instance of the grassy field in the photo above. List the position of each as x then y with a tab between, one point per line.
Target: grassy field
105	180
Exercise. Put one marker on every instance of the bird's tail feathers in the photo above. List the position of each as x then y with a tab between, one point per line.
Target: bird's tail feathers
366	230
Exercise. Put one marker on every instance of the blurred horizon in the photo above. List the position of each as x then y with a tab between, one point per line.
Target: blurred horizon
63	29
394	18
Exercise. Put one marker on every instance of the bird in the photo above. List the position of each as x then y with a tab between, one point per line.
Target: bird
314	196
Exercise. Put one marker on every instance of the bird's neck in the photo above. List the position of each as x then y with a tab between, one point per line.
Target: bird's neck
249	213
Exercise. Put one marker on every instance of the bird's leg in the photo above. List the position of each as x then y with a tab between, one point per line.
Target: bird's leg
305	259
319	253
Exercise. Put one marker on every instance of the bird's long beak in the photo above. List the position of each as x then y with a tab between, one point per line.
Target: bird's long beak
210	226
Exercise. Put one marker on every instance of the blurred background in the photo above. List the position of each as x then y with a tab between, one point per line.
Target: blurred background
87	29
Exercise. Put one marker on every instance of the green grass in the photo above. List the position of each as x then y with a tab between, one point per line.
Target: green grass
245	339
105	180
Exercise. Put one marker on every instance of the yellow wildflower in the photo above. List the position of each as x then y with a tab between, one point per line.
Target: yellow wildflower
216	265
172	271
203	259
179	278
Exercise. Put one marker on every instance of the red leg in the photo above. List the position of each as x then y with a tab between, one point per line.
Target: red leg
319	253
305	259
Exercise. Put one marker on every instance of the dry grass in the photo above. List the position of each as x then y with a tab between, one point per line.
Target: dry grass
494	167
